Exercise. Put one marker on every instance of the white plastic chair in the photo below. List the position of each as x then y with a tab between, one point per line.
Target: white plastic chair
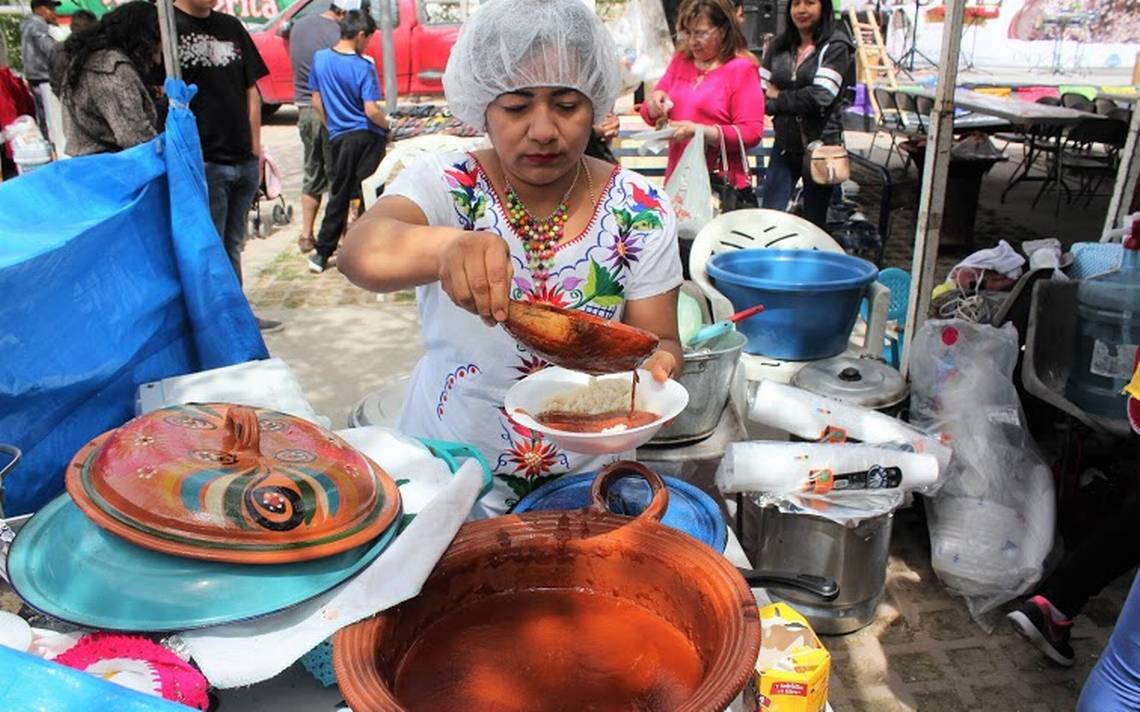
762	228
401	153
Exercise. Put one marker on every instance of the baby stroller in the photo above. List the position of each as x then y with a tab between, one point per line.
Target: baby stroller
270	189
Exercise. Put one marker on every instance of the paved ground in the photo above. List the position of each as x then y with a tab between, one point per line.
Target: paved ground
923	652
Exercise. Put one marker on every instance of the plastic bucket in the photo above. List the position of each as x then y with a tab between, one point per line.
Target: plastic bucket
811	299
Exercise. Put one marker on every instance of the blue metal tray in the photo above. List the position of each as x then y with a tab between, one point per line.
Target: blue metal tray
690	510
67	567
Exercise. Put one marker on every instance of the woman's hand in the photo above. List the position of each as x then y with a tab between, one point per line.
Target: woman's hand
659	105
608	128
475	271
662	364
682	131
772	92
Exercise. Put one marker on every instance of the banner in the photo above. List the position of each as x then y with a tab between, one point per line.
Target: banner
1044	35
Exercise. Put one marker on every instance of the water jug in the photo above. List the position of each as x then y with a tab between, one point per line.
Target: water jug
1107	335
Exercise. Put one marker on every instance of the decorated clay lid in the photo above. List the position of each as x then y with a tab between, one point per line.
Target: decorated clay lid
232	483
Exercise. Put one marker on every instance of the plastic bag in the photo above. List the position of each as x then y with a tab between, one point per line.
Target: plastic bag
111	275
991	524
689	189
644	46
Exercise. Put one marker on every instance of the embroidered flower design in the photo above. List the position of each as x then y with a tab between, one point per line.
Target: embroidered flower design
469	200
534	457
529	366
625	250
145	472
545	294
144	440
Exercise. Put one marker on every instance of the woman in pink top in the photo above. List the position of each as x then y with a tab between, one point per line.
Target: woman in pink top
713	81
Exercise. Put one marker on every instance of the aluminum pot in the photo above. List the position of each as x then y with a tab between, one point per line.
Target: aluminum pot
707	376
686	585
855	557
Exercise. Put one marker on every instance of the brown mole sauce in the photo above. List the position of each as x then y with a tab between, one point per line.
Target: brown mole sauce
580	423
549	650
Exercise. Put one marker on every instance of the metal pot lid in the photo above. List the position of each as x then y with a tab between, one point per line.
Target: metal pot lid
690	510
862	381
232	483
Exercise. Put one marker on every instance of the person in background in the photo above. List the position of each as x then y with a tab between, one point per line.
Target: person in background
1110	548
106	104
346	95
306	37
216	53
82	20
711	82
805	73
738	5
36	47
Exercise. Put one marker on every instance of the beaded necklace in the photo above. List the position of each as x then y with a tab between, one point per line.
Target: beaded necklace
540	236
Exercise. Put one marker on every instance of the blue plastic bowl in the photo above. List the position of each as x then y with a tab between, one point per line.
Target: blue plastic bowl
810	298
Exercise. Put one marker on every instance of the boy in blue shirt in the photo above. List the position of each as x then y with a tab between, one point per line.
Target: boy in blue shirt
346	95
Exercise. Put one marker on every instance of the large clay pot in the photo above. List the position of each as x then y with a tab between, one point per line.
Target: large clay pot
682	582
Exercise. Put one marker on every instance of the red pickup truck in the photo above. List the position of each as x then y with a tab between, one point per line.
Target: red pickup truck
424	32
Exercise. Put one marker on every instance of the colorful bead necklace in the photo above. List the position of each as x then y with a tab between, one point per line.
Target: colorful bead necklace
540	236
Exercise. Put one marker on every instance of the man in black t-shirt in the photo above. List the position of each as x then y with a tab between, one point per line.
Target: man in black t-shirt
217	54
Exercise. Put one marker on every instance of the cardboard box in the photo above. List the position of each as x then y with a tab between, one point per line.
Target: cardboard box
793	667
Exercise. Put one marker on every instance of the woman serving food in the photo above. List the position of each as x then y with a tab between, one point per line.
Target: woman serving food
531	219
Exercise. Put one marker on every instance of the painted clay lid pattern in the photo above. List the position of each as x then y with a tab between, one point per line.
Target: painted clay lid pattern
232	483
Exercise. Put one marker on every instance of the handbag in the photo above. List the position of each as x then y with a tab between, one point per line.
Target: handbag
732	197
825	164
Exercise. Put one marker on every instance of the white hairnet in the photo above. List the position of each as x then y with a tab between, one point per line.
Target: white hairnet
509	45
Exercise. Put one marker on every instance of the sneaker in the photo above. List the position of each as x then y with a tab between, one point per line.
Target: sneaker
1034	621
306	243
318	263
269	326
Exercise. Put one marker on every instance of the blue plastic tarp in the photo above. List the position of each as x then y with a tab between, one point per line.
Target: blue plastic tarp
111	275
31	683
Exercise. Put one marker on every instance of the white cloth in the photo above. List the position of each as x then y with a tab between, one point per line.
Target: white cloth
628	251
1043	253
1001	258
240	654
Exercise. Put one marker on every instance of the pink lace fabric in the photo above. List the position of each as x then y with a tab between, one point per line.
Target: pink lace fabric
173	678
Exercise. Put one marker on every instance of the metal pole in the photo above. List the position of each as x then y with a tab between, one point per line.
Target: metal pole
935	171
389	55
169	39
1126	174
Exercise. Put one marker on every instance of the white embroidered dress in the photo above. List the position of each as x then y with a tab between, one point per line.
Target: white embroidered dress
628	251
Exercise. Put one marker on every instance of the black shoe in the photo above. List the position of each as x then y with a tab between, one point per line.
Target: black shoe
318	263
1035	623
269	326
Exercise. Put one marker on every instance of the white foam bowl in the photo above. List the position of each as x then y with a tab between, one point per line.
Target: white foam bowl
529	396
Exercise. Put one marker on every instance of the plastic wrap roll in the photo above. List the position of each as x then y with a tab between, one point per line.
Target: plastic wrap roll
815	417
823	469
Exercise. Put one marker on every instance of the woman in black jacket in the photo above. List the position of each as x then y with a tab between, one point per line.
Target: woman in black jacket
805	73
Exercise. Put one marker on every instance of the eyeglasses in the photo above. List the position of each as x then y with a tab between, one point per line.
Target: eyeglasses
697	36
